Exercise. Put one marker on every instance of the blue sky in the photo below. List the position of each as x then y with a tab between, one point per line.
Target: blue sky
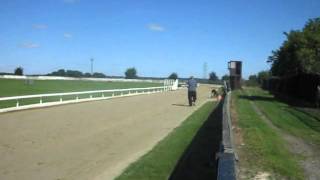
156	37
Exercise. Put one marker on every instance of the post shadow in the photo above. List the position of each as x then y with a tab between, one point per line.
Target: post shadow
198	162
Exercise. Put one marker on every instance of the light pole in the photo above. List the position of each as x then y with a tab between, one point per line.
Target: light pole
205	70
91	65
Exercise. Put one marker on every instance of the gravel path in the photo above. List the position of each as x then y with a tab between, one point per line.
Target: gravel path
93	140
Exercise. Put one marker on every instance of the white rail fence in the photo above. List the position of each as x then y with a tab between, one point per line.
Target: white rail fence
80	79
75	97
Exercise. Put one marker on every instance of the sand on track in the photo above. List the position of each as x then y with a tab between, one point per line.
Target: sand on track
92	140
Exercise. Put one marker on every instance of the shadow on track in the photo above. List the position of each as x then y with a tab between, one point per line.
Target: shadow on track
198	161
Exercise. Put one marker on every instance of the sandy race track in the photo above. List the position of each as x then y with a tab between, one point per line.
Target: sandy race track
92	140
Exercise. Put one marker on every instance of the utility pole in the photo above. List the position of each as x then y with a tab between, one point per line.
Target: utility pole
205	70
91	65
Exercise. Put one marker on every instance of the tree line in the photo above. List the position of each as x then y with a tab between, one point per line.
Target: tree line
299	54
76	73
130	73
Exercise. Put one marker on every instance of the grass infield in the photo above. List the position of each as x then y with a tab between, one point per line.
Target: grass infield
162	159
13	87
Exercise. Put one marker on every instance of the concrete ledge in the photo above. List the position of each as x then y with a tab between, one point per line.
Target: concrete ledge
226	156
226	167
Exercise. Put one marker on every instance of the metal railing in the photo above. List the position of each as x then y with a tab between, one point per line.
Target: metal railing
100	94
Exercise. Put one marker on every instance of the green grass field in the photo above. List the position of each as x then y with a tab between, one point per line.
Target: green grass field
12	87
264	149
298	121
161	160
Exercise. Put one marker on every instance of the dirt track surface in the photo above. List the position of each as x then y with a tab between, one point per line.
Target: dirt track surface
92	140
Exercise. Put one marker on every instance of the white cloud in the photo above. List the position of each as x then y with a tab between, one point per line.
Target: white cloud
70	1
40	26
156	27
29	45
67	35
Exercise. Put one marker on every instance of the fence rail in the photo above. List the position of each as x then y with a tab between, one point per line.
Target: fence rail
80	78
102	95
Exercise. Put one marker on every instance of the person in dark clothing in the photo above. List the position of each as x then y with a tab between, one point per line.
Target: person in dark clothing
192	91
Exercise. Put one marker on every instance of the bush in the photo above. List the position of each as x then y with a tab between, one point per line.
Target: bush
18	71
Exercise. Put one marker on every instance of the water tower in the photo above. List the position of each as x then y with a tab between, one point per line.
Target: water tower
235	69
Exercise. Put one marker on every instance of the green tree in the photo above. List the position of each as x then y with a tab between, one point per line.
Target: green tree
74	73
87	74
131	73
252	80
263	75
225	77
299	53
60	72
18	71
173	76
98	75
213	76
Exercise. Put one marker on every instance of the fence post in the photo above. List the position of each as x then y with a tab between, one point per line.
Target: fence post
17	104
60	98
40	100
